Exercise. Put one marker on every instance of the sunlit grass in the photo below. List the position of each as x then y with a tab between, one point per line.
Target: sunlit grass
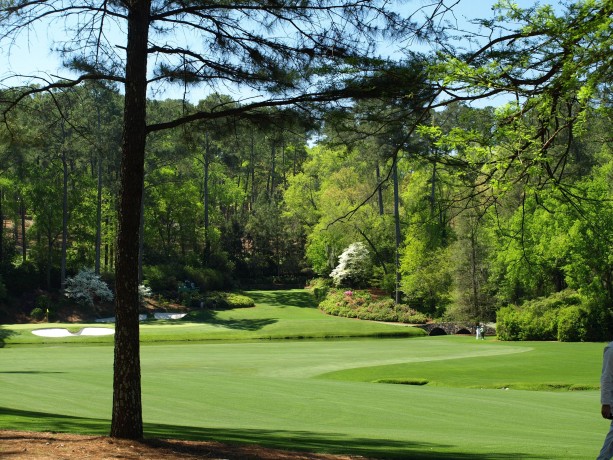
286	315
547	366
458	399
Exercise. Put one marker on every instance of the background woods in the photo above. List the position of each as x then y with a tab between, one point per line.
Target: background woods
233	205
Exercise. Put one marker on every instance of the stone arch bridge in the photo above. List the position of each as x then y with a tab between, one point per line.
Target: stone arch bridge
454	329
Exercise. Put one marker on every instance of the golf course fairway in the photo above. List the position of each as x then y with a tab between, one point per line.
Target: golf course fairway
462	398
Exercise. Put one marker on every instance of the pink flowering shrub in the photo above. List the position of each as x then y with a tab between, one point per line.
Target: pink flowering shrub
362	304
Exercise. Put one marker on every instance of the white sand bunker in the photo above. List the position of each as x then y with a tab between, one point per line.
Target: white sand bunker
143	317
61	332
169	315
111	319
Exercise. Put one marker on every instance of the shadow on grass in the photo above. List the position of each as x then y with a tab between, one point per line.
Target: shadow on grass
23	420
290	298
4	334
32	372
210	317
335	443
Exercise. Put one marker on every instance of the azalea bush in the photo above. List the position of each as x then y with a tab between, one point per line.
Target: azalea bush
364	305
87	288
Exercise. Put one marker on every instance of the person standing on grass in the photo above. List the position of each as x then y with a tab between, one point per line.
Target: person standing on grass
606	399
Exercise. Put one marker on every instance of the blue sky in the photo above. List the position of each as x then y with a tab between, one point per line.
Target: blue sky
32	53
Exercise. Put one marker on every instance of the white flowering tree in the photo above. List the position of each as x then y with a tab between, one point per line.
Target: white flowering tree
86	286
354	267
143	292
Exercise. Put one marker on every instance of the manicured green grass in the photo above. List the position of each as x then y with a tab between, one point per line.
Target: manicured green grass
475	364
319	394
277	315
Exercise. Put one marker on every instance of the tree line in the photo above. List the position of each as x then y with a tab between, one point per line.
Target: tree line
212	195
229	204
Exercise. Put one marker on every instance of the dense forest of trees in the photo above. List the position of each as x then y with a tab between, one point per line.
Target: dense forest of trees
213	196
231	205
464	211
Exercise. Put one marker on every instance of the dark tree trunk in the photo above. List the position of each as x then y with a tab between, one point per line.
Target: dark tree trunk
127	419
98	242
49	255
141	235
252	166
474	272
1	226
283	163
106	245
273	155
22	214
207	241
64	219
397	227
379	190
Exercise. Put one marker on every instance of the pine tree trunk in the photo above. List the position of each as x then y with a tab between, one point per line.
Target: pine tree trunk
127	421
106	245
397	227
64	218
252	165
98	242
1	226
273	155
141	234
24	247
379	190
207	242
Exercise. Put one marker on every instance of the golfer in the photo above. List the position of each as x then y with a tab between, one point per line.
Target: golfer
606	399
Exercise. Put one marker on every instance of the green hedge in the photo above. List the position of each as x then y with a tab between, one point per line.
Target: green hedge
362	304
218	301
565	316
226	300
167	278
319	287
572	324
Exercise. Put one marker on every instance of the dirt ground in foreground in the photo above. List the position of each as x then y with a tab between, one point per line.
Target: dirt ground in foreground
25	445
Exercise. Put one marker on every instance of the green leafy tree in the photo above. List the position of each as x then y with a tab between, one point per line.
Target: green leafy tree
474	296
323	48
332	200
426	264
553	65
